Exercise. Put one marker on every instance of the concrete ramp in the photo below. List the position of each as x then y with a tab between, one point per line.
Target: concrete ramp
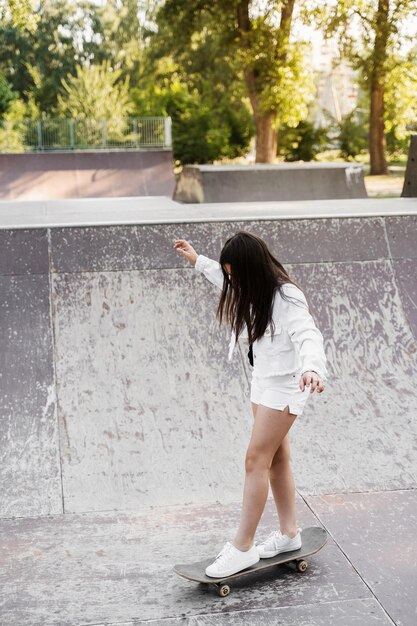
115	386
88	174
270	182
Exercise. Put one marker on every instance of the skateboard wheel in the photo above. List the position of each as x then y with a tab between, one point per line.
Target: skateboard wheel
223	590
301	566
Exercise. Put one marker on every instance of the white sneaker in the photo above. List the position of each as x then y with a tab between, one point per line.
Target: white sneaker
276	542
230	560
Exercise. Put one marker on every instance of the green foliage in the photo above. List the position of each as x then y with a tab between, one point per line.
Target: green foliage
12	136
119	33
353	134
399	80
203	135
95	93
291	87
397	142
401	103
283	78
20	13
372	35
207	123
36	62
198	85
302	142
258	59
6	95
363	25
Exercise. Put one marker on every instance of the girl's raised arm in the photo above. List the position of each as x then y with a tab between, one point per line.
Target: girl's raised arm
186	250
211	269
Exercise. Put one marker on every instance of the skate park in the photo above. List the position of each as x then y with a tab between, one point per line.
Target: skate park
124	426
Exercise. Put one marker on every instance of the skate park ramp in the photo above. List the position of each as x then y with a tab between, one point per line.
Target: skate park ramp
116	389
124	428
88	174
270	182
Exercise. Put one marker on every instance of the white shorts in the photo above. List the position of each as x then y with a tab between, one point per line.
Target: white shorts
276	392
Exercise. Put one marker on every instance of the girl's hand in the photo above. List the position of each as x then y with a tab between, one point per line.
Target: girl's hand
312	379
183	247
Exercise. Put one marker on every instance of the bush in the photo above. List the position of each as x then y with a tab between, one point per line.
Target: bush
303	142
398	142
205	126
353	134
6	95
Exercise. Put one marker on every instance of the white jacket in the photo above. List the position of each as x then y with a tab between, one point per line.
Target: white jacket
296	344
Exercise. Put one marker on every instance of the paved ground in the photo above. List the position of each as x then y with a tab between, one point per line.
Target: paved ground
123	427
115	568
390	185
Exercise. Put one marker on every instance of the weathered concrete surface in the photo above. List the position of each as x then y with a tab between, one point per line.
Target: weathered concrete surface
131	371
46	175
116	393
372	352
410	178
377	534
117	567
137	403
30	475
264	182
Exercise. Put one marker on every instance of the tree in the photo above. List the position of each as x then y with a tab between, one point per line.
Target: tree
199	88
401	103
97	96
35	62
353	134
303	142
20	13
95	93
119	36
256	45
371	32
208	122
6	95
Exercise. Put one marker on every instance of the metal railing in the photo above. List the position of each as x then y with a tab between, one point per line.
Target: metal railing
79	134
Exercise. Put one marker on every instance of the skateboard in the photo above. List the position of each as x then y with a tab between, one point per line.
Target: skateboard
313	539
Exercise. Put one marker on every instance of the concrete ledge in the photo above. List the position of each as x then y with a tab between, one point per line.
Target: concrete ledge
268	182
163	210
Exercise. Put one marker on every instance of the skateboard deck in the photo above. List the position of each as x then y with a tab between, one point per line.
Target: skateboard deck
312	538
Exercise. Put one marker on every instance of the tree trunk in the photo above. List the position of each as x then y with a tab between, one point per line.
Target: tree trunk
266	138
266	132
377	142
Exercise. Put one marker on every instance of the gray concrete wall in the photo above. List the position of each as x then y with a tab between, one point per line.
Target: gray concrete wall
269	182
115	388
50	175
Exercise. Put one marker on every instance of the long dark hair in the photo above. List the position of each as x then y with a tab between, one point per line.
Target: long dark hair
248	294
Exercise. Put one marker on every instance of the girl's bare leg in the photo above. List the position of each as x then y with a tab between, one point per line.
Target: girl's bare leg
283	485
269	429
283	488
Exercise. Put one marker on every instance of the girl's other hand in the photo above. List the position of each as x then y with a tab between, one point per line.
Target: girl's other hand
183	247
312	379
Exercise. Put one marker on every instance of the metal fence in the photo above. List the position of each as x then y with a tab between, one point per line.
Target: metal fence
70	134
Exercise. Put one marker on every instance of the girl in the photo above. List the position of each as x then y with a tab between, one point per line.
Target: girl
267	309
